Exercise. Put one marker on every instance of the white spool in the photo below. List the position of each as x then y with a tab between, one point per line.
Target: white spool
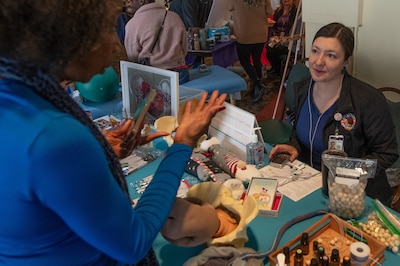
359	253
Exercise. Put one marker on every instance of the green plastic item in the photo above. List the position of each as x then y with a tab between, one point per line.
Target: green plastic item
101	87
386	217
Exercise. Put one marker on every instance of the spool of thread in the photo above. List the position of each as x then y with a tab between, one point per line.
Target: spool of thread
359	253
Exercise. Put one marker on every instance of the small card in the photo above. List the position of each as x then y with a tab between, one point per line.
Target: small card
263	190
349	177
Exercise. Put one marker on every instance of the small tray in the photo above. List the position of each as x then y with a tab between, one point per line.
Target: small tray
327	229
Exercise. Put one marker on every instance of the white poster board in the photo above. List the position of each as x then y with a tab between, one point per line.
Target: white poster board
233	127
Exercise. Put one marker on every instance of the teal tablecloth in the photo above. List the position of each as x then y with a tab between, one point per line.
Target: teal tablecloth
261	230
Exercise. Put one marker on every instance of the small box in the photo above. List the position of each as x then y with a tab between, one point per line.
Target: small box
187	93
264	191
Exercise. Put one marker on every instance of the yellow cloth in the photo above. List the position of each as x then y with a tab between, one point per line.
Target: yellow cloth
219	195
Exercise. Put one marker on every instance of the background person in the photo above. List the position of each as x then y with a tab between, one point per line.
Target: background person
194	13
62	188
333	101
142	31
284	18
250	26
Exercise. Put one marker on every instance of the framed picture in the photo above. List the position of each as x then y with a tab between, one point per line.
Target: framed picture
136	82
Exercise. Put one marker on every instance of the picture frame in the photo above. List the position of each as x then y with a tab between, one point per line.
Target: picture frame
136	82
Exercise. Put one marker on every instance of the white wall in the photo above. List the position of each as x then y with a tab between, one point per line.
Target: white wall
377	53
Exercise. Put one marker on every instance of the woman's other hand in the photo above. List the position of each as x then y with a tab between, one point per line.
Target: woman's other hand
195	122
123	141
285	149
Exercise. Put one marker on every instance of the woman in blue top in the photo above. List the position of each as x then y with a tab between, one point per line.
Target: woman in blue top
333	106
63	196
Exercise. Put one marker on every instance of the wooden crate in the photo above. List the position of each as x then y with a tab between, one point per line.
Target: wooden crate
327	229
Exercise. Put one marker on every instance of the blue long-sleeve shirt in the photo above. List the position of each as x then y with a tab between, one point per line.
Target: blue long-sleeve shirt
59	203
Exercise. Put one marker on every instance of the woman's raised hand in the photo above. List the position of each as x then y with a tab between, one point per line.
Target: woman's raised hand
195	121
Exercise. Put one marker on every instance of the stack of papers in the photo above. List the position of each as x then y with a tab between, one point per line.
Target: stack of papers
295	180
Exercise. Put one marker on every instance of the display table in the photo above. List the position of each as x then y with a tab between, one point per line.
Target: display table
217	78
223	54
261	231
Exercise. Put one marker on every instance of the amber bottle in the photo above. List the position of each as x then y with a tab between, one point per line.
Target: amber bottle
335	258
298	257
304	244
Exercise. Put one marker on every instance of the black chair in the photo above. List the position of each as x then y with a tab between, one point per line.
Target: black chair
393	99
278	131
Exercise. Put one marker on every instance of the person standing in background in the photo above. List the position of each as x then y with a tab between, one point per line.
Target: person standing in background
284	18
126	15
250	26
142	31
194	13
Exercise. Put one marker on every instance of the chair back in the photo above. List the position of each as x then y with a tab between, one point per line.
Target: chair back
393	99
298	72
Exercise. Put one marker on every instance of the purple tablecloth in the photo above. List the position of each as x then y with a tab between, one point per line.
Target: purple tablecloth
224	54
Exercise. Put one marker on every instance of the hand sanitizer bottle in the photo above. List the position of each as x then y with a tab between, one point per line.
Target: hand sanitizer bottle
255	151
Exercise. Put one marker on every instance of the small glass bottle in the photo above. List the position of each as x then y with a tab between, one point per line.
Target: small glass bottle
346	261
286	251
255	152
203	37
196	41
314	262
305	247
321	254
298	257
335	258
325	260
315	249
189	40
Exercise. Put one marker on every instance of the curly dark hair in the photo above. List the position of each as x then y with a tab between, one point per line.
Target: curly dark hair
49	33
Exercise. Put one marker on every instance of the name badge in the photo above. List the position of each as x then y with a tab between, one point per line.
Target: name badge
336	142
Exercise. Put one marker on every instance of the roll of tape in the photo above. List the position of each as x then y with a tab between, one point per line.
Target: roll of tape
359	251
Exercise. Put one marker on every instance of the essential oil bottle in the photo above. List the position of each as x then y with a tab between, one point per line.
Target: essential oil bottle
298	257
304	244
335	257
286	251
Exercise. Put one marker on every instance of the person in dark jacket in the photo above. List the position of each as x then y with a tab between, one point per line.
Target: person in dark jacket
333	103
194	13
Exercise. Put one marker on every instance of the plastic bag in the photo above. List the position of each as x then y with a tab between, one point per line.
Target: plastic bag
382	225
347	179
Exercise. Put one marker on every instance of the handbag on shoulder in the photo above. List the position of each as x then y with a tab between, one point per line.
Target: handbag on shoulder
146	60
